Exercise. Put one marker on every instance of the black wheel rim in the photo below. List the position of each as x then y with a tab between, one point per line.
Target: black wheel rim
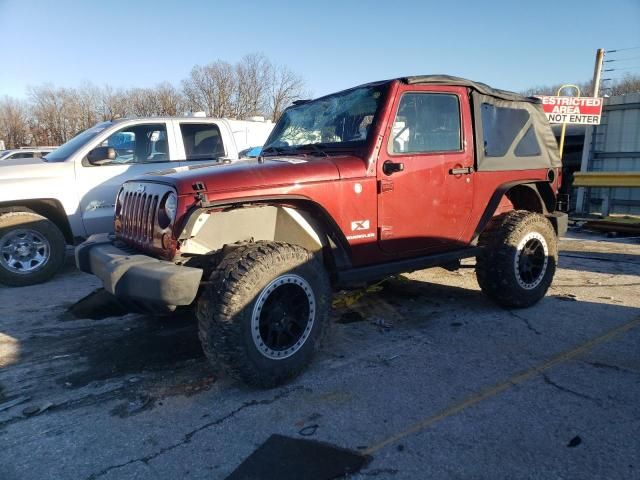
283	316
531	261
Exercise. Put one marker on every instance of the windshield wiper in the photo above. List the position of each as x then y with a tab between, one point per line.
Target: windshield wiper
312	146
271	149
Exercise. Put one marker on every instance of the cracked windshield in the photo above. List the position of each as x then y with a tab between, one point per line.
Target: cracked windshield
343	119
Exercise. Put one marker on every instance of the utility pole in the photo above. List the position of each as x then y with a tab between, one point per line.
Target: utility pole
589	134
597	71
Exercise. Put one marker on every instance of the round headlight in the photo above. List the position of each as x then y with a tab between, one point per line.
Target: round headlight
167	210
170	206
119	200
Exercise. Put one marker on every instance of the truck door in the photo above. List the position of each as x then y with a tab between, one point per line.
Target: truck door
140	149
425	171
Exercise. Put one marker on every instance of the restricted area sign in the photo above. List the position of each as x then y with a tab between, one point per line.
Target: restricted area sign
576	110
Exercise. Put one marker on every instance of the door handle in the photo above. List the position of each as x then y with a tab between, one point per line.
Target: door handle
461	171
389	167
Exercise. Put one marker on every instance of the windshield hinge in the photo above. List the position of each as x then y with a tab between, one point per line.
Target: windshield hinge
199	188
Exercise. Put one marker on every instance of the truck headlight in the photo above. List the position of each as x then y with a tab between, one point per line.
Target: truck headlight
167	211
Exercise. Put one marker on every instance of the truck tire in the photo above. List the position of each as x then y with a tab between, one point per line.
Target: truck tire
264	312
32	248
518	260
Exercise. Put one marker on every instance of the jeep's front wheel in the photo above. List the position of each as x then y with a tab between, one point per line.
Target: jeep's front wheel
264	312
518	259
32	248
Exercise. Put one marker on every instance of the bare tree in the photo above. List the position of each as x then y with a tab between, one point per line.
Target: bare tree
628	84
210	88
585	89
14	126
52	115
169	100
54	110
199	90
284	87
113	103
224	79
143	102
253	76
87	100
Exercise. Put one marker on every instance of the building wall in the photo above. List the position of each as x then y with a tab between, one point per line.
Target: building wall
614	146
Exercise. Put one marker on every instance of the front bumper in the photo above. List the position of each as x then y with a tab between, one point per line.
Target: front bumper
138	278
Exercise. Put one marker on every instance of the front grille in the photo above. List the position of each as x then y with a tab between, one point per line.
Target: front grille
137	215
139	211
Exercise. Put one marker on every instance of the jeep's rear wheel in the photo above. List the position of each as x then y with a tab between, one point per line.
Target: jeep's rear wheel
32	248
518	260
264	312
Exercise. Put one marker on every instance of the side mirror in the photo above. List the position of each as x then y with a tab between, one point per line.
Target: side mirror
101	155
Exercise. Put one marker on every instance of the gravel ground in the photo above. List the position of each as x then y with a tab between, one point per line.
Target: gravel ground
426	376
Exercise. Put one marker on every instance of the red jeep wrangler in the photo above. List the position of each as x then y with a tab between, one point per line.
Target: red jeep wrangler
388	177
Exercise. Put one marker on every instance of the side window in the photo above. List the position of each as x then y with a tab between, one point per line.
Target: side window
426	122
202	141
23	155
500	126
139	144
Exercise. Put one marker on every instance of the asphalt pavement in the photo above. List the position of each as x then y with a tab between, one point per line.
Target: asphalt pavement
425	376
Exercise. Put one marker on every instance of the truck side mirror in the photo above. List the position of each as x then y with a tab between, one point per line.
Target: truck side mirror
101	155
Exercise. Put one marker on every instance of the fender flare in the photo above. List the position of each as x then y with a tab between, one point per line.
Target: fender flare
542	190
339	254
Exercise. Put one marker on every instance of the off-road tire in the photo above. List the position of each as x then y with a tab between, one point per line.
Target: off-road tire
236	290
16	220
499	267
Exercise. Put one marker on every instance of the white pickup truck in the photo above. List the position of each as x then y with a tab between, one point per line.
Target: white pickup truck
70	193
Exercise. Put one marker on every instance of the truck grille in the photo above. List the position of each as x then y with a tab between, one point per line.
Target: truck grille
136	220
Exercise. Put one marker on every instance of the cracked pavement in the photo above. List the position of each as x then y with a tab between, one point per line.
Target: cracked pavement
426	375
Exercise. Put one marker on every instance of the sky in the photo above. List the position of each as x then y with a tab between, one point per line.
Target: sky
333	45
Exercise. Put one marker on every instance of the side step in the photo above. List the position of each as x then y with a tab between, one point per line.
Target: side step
379	271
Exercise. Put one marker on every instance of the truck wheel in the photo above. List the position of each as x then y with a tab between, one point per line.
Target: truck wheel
32	249
519	258
264	312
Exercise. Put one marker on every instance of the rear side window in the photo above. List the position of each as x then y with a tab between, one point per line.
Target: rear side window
528	145
23	155
426	122
202	141
500	127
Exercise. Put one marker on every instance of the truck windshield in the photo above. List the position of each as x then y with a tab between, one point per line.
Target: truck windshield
63	152
339	121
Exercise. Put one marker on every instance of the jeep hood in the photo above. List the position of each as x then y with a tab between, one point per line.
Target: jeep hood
253	175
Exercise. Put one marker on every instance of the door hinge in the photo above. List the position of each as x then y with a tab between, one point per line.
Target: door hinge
385	186
385	232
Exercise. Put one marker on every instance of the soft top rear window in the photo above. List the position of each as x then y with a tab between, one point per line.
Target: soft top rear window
500	127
